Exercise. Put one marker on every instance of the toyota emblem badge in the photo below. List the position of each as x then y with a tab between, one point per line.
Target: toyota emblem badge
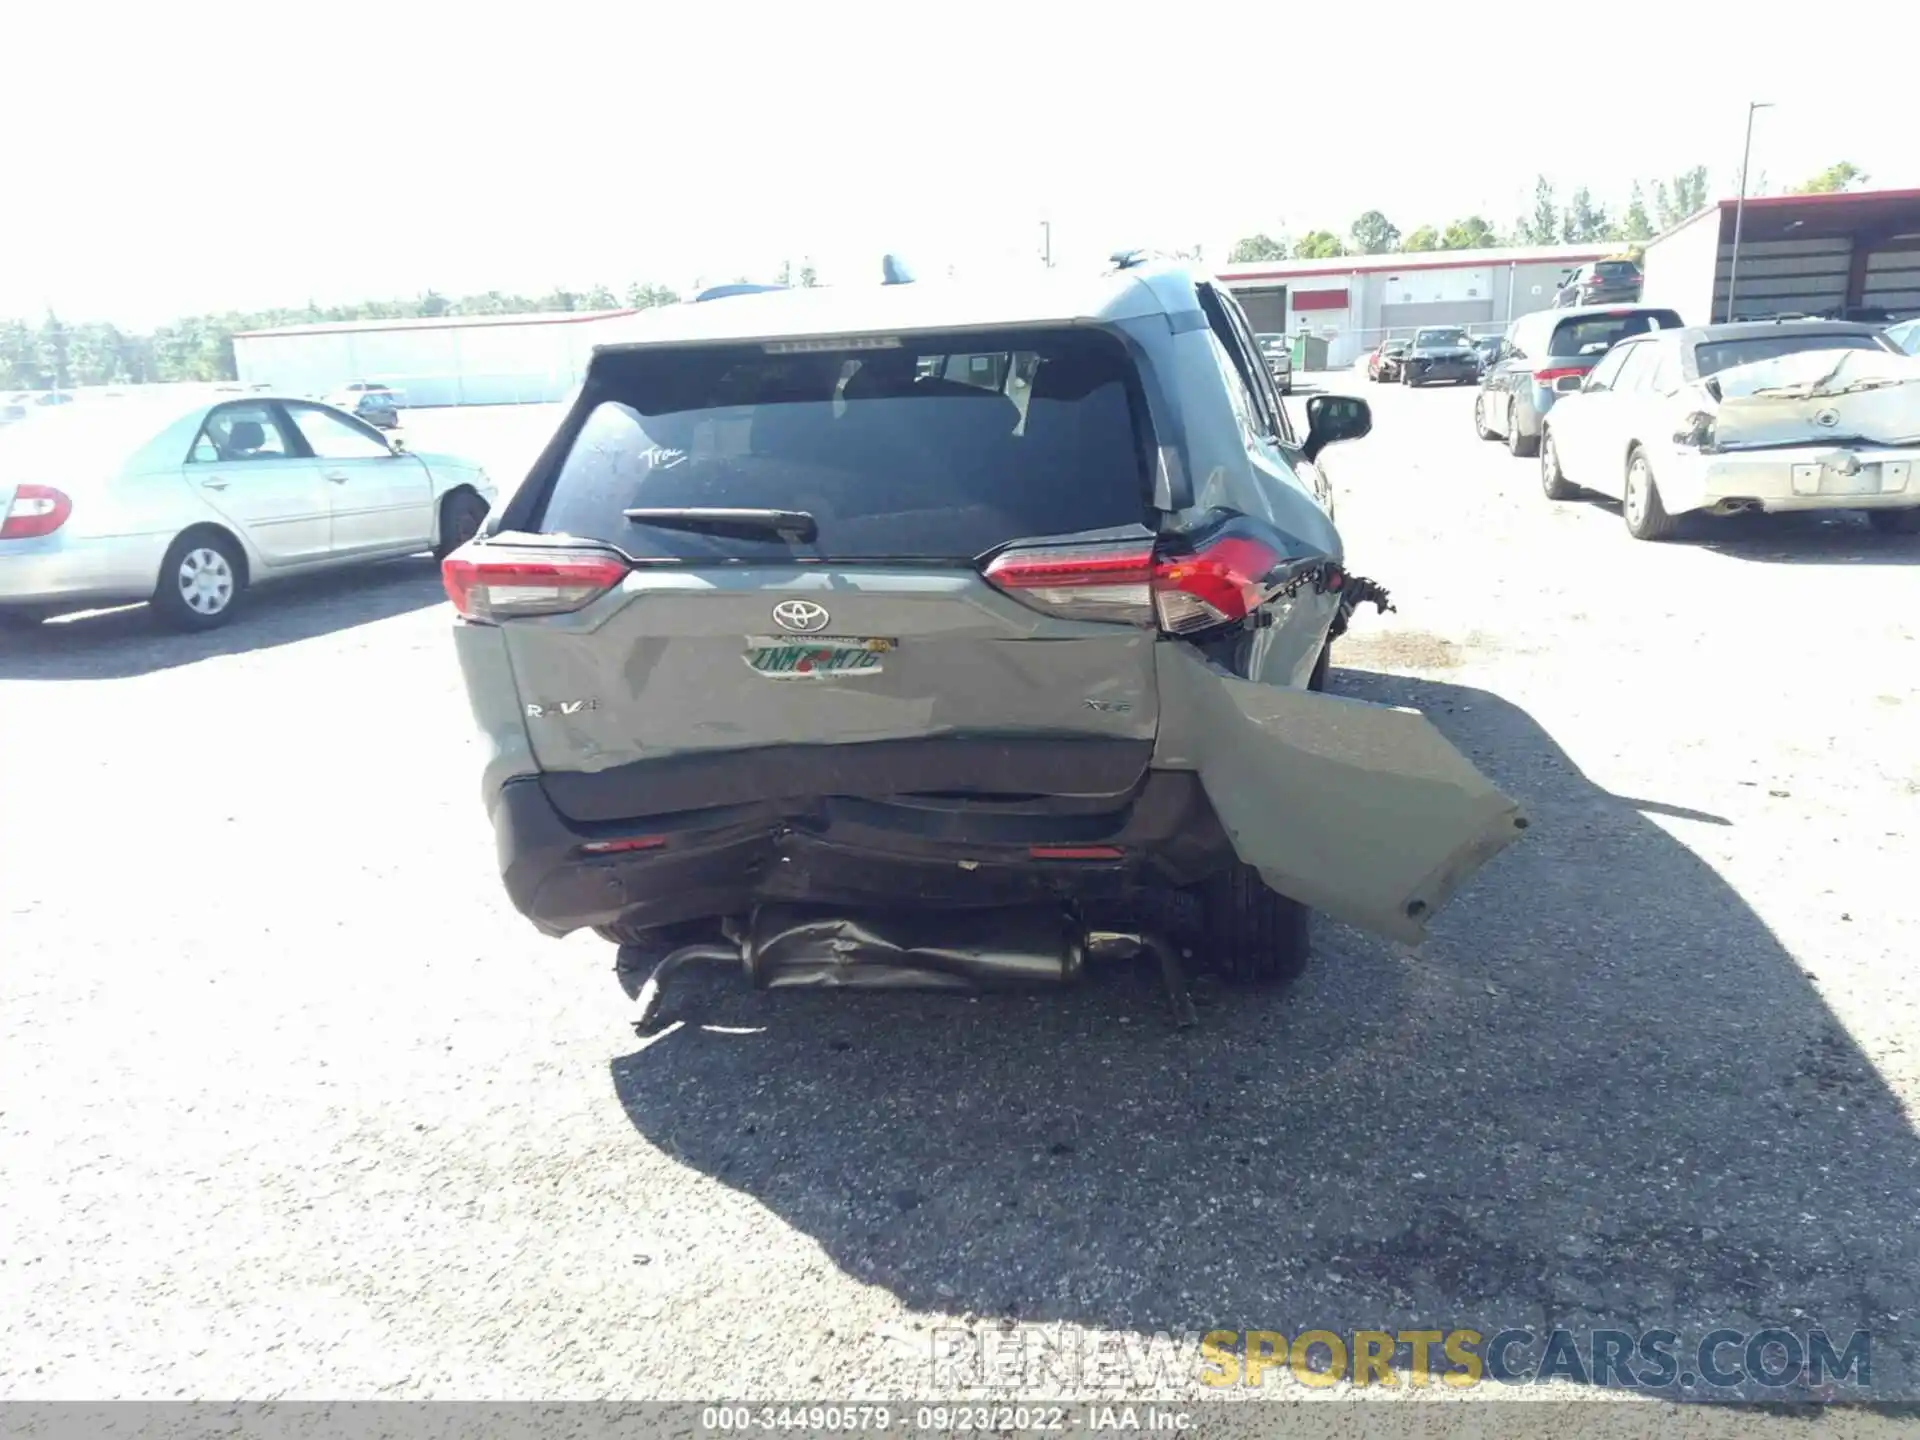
802	616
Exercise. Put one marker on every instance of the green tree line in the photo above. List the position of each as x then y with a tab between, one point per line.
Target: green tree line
1579	219
57	355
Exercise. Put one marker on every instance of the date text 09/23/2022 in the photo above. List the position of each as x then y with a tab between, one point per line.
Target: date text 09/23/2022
944	1419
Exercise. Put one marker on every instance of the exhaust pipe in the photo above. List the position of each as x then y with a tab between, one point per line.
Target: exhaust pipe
794	946
964	951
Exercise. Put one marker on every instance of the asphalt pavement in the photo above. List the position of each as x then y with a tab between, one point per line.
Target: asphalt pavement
296	1105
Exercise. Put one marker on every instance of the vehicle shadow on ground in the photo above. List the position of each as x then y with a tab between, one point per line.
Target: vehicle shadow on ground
1844	538
1603	1097
118	644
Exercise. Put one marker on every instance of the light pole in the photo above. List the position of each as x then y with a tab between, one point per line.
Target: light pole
1740	204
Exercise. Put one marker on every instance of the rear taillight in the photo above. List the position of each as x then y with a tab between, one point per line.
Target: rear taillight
489	585
1219	583
36	510
1557	372
1080	582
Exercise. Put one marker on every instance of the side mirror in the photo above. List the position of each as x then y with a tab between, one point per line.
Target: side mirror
1332	418
1570	384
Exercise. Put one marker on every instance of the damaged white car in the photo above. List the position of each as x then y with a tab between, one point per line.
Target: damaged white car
1774	416
946	635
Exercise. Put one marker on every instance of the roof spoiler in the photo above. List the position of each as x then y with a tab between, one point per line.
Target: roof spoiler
721	292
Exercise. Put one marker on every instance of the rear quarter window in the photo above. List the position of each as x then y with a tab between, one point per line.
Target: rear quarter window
1715	356
941	448
1591	336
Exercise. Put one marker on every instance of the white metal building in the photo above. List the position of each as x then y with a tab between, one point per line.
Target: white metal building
1798	254
447	360
1357	300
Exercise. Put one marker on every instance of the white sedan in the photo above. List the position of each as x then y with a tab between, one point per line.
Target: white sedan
1775	416
187	500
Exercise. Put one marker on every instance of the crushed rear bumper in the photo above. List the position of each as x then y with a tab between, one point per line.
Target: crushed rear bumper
901	849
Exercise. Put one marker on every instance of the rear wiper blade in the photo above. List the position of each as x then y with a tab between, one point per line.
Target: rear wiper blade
794	526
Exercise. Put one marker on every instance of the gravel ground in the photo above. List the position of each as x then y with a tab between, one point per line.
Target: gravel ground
296	1106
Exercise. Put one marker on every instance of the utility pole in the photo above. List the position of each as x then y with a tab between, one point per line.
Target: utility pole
1740	204
1046	243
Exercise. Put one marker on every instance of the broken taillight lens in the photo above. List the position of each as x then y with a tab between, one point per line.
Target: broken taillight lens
1696	432
488	584
36	510
1218	583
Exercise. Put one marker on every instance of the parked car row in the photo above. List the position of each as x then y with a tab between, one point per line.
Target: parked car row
1669	419
20	404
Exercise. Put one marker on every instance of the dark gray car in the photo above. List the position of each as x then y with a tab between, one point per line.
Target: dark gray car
1440	354
838	631
1545	353
1601	282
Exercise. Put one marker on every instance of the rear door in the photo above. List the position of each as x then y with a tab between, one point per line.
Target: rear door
1616	413
379	500
251	466
1581	420
885	626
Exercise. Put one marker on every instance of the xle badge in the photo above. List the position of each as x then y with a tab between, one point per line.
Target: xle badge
815	658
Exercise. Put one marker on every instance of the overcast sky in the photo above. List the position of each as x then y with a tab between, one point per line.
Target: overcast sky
201	154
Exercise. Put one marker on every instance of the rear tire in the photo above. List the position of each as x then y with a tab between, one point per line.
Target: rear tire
1647	518
202	580
1895	522
1253	936
1552	480
1521	447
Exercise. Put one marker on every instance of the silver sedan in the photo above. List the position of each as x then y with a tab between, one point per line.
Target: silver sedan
188	500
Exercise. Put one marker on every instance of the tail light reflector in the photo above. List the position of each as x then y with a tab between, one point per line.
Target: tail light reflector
1221	582
489	584
36	510
622	847
1076	852
1557	372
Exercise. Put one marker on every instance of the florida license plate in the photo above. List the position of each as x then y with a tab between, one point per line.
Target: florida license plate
816	658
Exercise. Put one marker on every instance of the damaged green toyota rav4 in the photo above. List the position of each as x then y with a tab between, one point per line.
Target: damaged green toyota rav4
946	635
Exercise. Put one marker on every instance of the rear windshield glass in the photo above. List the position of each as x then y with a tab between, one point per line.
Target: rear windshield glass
935	447
1596	334
1720	355
1616	270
